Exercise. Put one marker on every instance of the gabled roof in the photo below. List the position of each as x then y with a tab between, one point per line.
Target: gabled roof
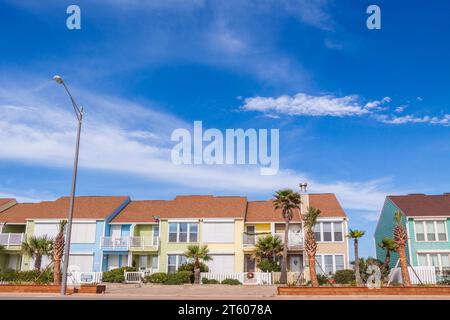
421	205
262	211
90	207
202	206
328	205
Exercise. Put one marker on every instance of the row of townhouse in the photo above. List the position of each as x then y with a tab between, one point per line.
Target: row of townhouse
152	235
427	220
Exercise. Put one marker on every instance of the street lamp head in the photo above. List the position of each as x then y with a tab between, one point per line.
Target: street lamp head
58	79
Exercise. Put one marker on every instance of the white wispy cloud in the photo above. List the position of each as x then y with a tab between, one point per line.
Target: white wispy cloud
303	104
443	120
122	137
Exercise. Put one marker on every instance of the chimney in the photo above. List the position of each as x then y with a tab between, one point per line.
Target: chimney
303	186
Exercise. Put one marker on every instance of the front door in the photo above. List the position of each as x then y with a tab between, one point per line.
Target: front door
113	261
249	264
295	263
143	263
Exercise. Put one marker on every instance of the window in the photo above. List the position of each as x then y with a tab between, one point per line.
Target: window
329	263
442	235
218	232
317	233
438	260
420	231
431	233
326	227
183	232
339	262
173	232
83	233
337	228
174	261
430	230
328	232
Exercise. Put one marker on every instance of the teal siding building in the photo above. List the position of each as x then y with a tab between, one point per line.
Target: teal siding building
427	219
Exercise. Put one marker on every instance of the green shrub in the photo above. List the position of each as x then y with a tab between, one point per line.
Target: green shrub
344	276
322	279
267	265
179	277
116	275
209	281
232	282
190	267
33	276
158	277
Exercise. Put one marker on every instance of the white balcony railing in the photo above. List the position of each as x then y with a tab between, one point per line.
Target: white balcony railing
144	242
112	242
11	239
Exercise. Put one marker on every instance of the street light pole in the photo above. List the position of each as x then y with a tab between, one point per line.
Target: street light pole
79	114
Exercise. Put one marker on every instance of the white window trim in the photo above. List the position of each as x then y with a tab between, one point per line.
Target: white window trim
424	223
188	232
177	265
322	260
436	252
320	223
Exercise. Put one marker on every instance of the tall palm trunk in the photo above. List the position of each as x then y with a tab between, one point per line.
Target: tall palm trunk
38	262
197	271
404	266
283	275
387	259
57	271
357	271
312	270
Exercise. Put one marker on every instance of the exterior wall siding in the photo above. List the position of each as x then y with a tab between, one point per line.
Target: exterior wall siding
385	228
426	245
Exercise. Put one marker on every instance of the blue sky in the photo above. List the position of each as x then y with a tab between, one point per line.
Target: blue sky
362	113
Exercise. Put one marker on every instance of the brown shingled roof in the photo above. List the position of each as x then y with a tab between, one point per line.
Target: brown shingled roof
183	207
91	207
417	205
262	211
328	205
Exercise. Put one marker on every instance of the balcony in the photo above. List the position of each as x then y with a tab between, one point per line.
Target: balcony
11	239
115	243
295	239
142	243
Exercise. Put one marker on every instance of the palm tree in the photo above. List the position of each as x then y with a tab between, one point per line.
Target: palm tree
198	254
58	251
400	238
389	245
355	235
37	247
268	247
286	200
309	221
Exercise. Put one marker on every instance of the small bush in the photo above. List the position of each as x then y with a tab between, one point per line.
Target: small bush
158	277
344	276
181	277
269	266
209	281
232	282
322	279
116	275
190	267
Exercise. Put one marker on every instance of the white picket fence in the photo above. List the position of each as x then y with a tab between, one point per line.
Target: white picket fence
243	277
427	275
78	277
